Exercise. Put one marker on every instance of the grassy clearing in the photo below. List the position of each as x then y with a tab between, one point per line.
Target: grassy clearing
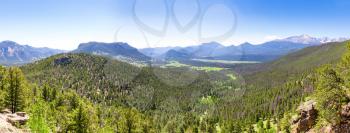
178	64
207	69
231	76
226	61
175	64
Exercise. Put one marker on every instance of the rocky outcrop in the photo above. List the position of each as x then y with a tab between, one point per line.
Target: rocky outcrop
9	122
307	118
343	126
19	118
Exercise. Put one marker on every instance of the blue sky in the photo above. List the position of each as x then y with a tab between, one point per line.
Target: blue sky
66	23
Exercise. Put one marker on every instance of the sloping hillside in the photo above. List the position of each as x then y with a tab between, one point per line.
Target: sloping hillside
102	79
292	65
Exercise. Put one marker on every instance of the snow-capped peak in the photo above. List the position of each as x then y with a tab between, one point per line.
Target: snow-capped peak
306	39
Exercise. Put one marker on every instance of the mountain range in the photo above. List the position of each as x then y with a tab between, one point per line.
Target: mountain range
244	52
12	53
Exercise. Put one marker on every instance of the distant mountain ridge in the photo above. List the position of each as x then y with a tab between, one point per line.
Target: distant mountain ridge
116	50
245	52
12	53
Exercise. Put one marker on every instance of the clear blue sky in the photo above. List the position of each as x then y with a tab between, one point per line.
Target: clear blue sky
66	23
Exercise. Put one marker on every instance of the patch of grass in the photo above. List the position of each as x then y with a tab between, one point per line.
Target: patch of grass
231	76
178	64
207	69
175	64
208	100
226	61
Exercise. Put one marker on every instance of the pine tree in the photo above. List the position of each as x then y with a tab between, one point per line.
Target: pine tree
3	83
2	78
16	84
329	94
45	93
81	120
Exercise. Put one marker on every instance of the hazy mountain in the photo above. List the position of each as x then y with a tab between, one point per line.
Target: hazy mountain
246	51
203	50
259	52
12	53
115	50
176	55
262	52
156	52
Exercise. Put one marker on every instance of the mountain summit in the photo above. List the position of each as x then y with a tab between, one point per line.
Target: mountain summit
12	53
116	50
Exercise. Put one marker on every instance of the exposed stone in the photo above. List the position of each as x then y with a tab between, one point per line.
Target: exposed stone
307	118
63	61
7	127
5	111
345	113
343	127
23	114
16	119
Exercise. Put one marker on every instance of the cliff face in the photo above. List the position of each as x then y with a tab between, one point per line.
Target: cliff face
308	118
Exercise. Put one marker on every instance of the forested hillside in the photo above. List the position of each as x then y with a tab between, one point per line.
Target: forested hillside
165	99
89	93
327	108
293	65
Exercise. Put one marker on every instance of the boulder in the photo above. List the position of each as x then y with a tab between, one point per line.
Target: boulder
7	127
343	126
307	118
23	114
17	119
345	112
5	111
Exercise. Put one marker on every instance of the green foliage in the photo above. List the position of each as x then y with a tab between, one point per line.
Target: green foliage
81	120
16	90
329	95
38	114
48	94
3	83
331	91
285	123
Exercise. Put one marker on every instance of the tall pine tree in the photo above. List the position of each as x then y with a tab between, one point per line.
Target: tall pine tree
16	84
2	86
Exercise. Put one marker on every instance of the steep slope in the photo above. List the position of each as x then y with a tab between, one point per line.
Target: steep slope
327	108
12	53
293	64
279	86
115	50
